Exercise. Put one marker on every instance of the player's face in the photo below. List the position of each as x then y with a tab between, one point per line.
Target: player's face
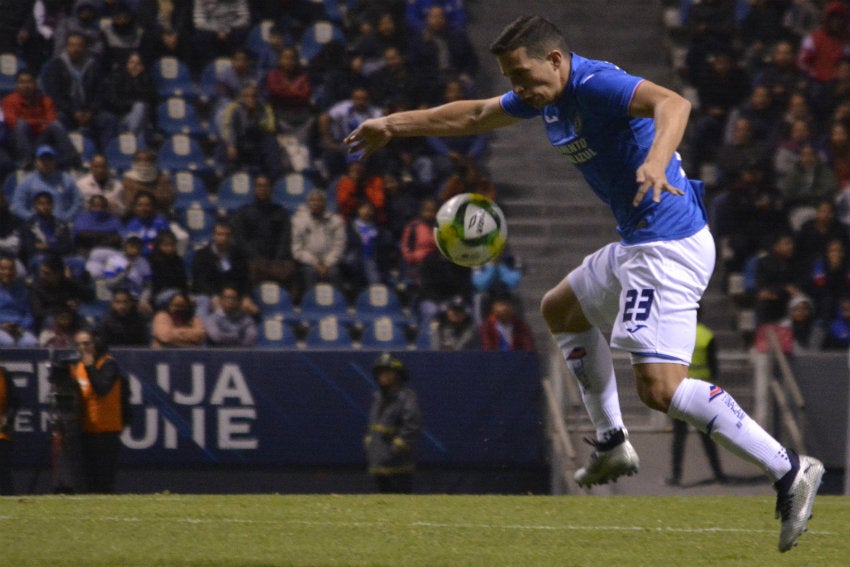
537	82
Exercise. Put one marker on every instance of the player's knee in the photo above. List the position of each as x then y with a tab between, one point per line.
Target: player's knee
654	397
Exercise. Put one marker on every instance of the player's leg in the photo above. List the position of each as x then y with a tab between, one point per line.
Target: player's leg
588	357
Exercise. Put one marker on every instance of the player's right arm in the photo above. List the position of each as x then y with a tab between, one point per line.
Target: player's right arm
460	118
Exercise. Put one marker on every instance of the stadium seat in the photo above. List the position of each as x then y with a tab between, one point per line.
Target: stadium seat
275	331
91	311
328	332
384	333
270	297
11	182
120	150
291	190
258	37
198	218
84	146
177	116
189	187
173	78
181	152
209	77
378	300
321	300
10	64
235	190
298	153
316	37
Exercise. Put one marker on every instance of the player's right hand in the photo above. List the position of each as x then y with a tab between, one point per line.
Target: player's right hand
369	137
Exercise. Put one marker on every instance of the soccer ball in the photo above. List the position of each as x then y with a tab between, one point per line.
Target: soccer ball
471	229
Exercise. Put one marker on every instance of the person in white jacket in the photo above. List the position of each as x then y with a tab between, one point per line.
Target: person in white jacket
318	240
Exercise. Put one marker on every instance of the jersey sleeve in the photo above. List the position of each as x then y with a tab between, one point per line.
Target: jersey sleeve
609	90
514	106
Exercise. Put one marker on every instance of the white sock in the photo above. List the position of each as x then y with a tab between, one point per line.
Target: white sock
588	357
711	409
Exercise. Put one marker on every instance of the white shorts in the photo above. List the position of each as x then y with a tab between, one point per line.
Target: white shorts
648	294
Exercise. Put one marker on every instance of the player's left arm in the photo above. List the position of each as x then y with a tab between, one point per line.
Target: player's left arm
670	112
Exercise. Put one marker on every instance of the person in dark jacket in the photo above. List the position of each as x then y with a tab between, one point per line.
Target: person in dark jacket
130	95
504	330
221	262
123	325
394	424
8	409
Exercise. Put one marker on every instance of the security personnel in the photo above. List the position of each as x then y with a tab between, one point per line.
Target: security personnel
394	423
8	408
105	402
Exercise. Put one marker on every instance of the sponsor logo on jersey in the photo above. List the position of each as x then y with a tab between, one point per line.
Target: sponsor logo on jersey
714	392
576	353
636	328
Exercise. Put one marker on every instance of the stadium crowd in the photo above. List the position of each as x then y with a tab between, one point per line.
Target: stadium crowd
175	175
770	134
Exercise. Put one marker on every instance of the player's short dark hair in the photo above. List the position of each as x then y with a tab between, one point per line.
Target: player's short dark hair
538	35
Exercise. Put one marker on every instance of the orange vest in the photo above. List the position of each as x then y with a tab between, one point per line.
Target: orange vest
101	414
3	405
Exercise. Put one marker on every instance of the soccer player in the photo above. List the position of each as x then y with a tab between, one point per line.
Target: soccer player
622	133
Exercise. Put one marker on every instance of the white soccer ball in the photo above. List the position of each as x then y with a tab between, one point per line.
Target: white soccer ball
471	229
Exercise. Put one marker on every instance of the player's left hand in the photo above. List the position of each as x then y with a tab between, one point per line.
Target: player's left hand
650	175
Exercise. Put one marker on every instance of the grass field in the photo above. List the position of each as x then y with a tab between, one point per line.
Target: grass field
433	531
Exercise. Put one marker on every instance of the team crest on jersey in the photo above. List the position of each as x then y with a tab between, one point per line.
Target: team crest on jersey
714	392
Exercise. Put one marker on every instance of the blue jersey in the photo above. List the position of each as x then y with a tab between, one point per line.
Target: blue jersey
591	127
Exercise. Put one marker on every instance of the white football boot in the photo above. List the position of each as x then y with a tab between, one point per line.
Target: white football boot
610	460
794	506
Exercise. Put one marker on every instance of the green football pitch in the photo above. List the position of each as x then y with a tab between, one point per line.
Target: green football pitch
433	531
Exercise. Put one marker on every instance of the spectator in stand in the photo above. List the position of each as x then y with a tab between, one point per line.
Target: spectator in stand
168	31
84	21
335	124
263	230
10	229
762	113
838	331
248	138
807	331
144	175
289	90
827	279
720	87
32	120
397	84
318	240
776	277
440	280
743	148
373	36
443	53
47	178
144	221
229	325
810	182
268	55
73	80
417	241
780	74
837	148
97	228
455	329
417	12
36	37
54	288
123	325
711	27
13	17
122	36
467	178
336	74
499	277
365	260
128	269
221	27
177	326
43	234
100	182
360	185
168	272
822	49
504	330
787	154
130	95
230	79
452	151
220	263
402	205
66	323
17	324
811	240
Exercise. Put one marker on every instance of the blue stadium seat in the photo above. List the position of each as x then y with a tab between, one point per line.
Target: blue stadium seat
178	116
183	153
198	218
93	310
173	78
298	153
258	37
328	332
84	146
189	187
10	64
209	77
316	37
276	332
271	298
378	300
235	190
120	150
291	190
384	333
321	300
